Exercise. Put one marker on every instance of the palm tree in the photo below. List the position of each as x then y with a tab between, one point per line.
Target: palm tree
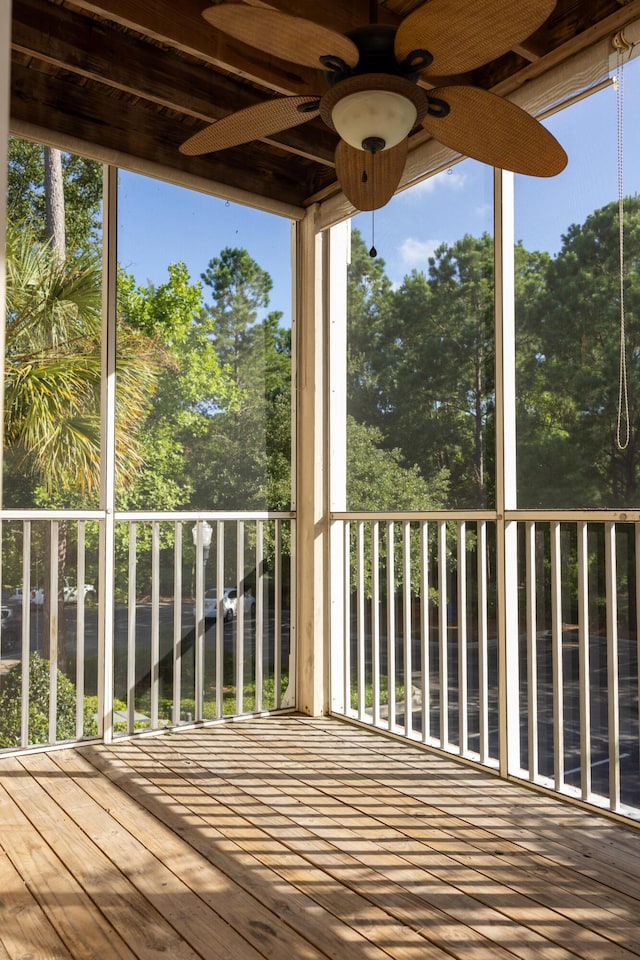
53	385
53	373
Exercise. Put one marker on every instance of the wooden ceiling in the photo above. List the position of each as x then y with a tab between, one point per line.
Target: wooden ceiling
140	77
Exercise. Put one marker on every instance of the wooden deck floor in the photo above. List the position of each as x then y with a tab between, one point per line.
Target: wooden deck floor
298	839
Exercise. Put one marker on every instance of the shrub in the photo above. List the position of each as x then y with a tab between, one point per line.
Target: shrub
11	709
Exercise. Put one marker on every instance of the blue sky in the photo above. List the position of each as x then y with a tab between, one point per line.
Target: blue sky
161	224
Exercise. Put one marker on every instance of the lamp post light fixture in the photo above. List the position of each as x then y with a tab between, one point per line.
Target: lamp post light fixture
205	535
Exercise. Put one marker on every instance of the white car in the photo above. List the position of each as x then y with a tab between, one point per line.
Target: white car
229	604
70	592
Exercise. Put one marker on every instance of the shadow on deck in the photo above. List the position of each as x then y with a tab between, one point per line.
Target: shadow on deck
299	839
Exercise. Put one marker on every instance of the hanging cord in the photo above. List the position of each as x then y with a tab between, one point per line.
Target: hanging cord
623	387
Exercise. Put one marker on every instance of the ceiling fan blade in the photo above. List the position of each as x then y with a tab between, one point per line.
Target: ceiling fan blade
252	123
488	128
290	38
460	40
370	180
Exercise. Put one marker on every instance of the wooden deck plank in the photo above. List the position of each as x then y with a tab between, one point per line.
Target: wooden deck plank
480	849
172	898
145	930
610	853
462	871
302	839
331	913
486	923
237	907
24	930
69	910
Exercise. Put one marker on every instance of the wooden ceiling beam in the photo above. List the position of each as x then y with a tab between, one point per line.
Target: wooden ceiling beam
94	50
187	31
608	26
87	112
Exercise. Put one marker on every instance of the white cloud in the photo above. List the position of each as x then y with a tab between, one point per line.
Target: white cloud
416	253
447	179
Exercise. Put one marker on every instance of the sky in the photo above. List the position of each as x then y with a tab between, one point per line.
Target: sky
161	224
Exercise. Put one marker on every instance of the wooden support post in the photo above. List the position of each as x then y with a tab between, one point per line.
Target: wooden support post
311	525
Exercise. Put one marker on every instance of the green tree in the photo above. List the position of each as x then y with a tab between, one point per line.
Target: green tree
369	296
192	387
52	377
240	289
427	362
381	479
26	200
242	460
569	331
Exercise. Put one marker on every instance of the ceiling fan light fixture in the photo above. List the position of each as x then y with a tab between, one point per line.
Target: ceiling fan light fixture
374	115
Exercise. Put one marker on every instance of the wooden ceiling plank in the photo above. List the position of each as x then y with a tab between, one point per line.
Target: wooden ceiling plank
92	49
604	28
191	34
133	128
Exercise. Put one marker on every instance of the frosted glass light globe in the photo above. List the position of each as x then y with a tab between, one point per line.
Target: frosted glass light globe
374	113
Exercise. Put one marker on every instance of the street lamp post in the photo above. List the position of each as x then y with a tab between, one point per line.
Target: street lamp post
202	532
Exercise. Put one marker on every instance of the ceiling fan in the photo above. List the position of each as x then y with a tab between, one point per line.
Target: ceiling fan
379	90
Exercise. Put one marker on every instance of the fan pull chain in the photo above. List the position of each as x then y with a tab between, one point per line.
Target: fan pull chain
623	387
373	252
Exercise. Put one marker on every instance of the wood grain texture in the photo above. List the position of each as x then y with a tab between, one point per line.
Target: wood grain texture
291	837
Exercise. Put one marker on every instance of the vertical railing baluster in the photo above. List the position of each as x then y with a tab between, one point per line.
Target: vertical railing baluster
177	622
260	580
556	655
26	632
463	719
483	644
277	615
240	622
360	621
80	624
200	625
612	666
532	648
425	632
346	556
444	635
391	626
406	627
131	628
375	620
54	539
220	618
155	622
584	669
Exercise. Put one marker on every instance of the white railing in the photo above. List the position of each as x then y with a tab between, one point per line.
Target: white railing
431	643
169	658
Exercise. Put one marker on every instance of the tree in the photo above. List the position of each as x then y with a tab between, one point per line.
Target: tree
568	370
52	376
380	479
240	289
26	199
369	297
242	460
192	387
427	367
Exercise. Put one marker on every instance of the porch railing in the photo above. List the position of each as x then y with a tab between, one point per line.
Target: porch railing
193	624
510	643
